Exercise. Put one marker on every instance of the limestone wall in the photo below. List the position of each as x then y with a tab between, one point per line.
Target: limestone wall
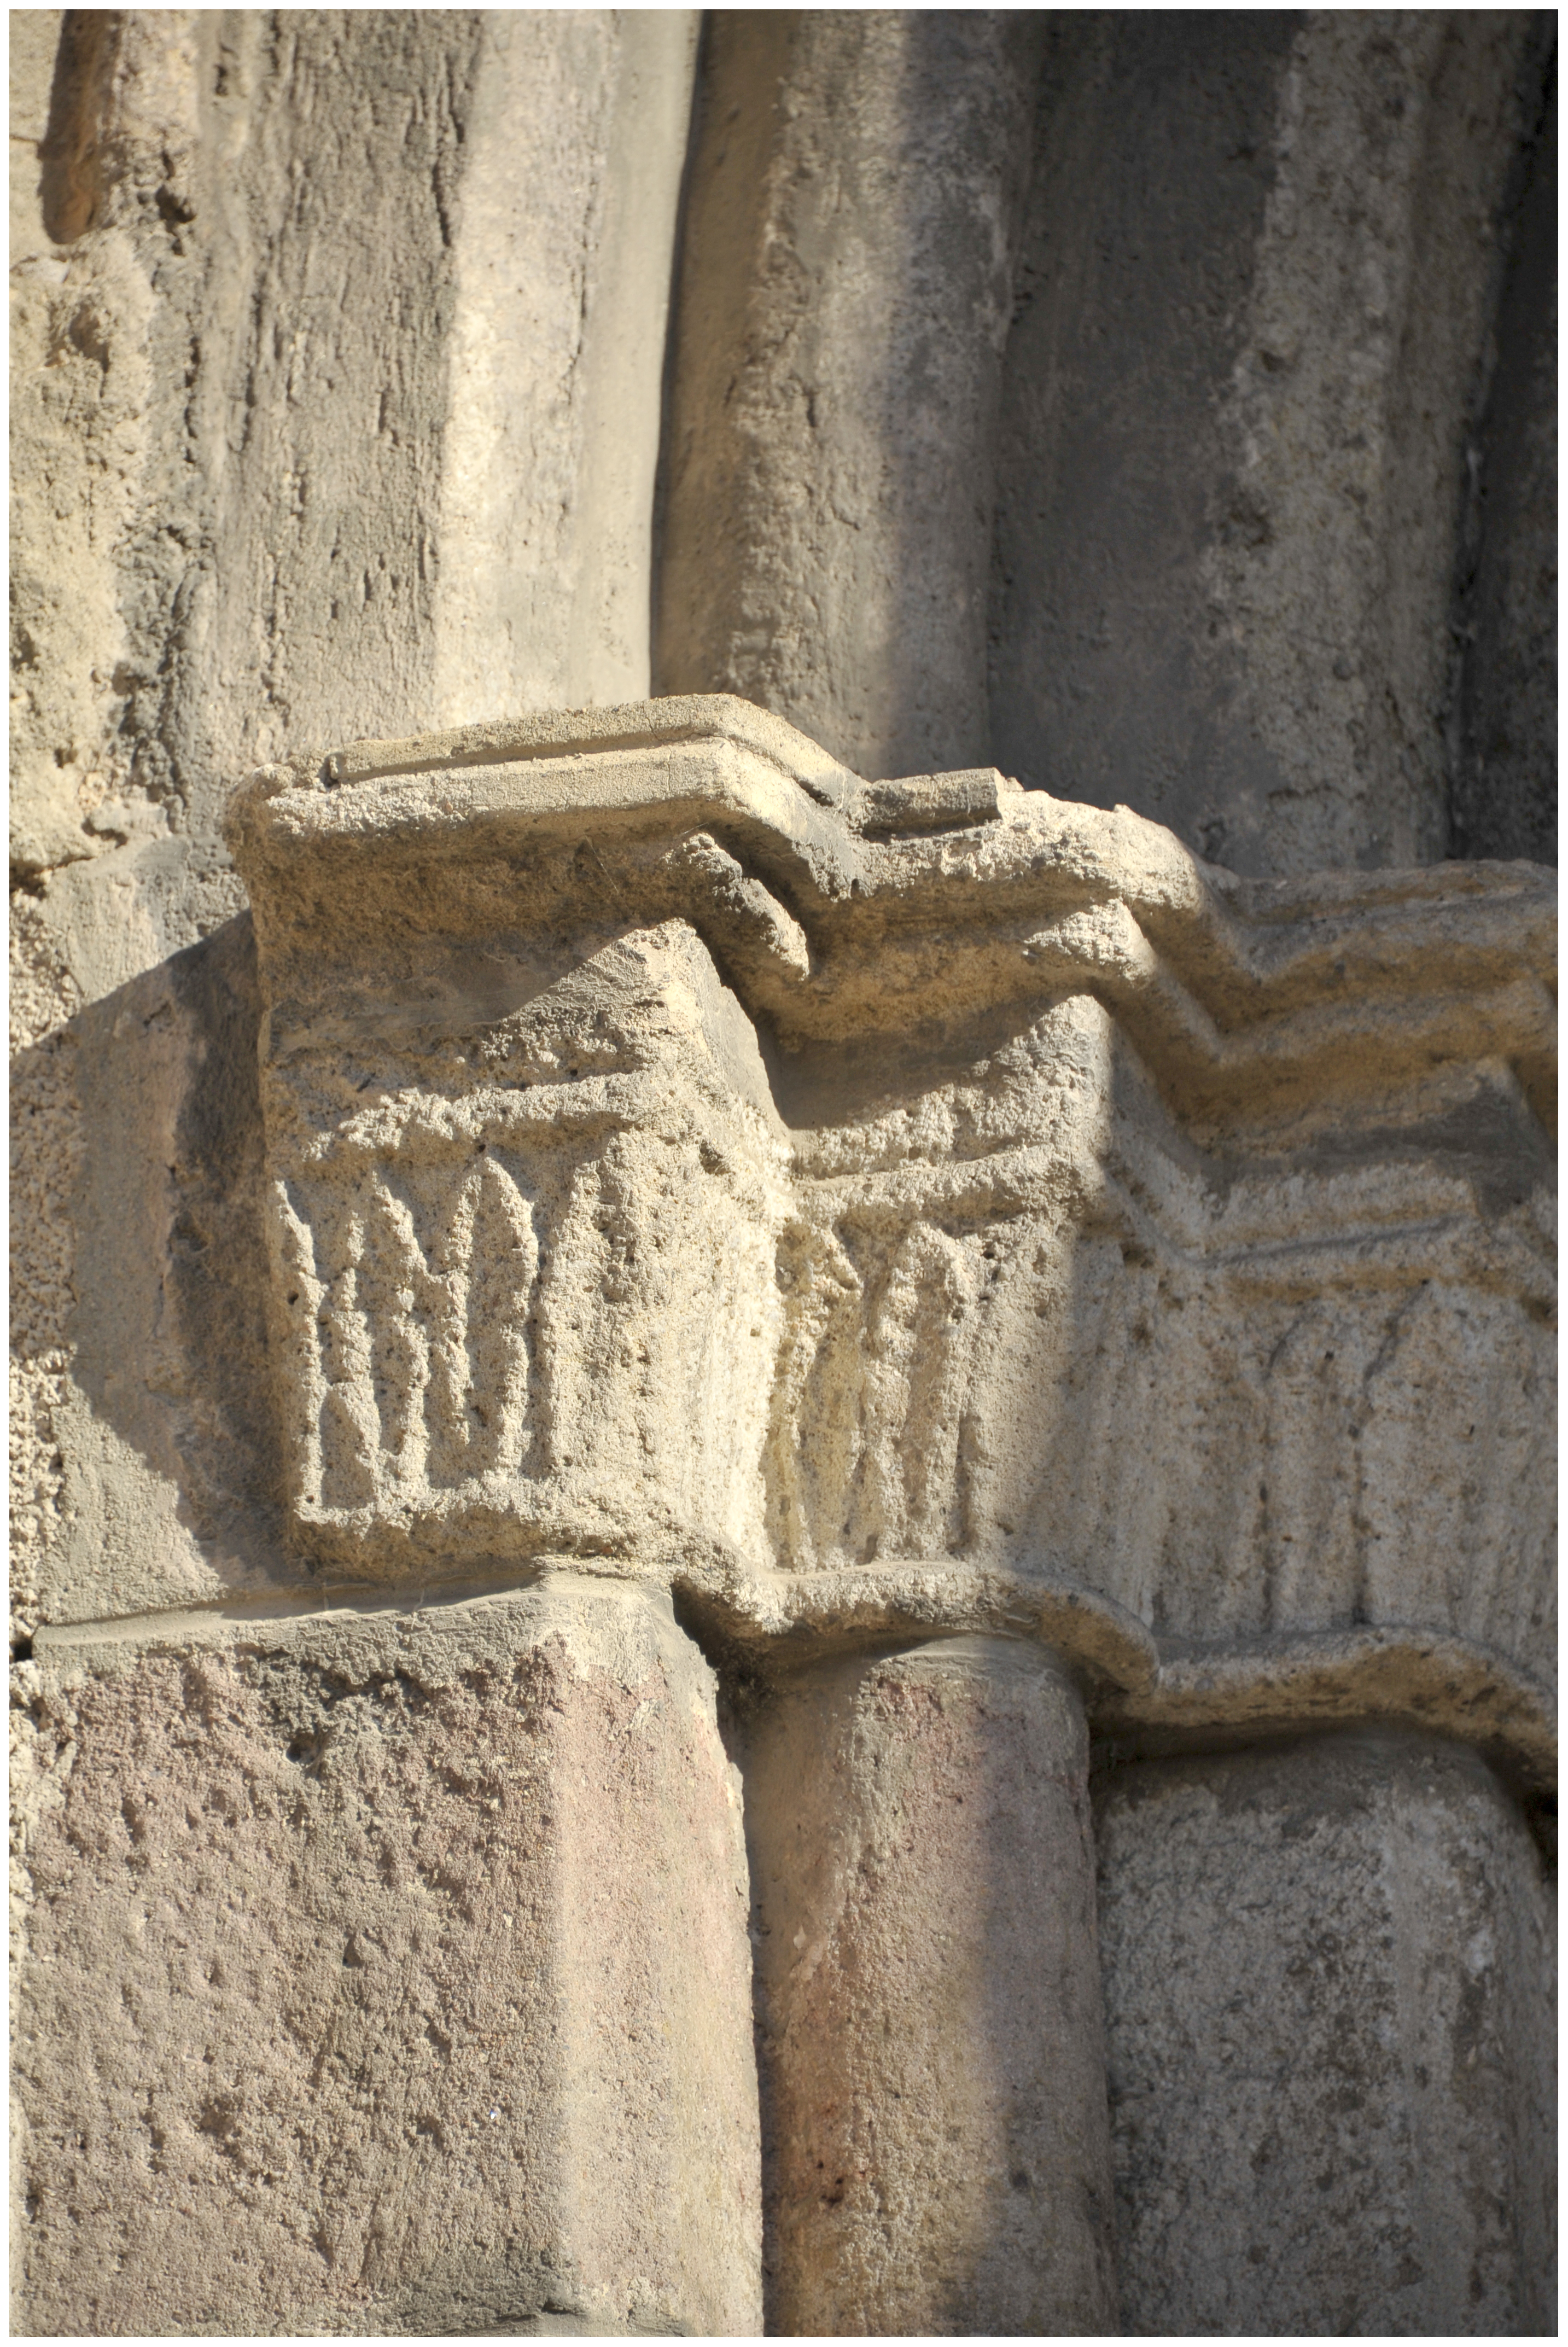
783	1522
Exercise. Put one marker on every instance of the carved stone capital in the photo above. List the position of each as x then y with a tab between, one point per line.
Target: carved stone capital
915	1205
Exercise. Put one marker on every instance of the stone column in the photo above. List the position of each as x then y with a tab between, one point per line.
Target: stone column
930	1995
1327	1972
844	299
603	1195
843	1341
1253	301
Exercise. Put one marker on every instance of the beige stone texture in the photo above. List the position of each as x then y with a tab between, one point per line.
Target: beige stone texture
846	265
857	1163
337	341
928	1998
387	1973
1326	1982
587	1164
523	1282
627	1142
138	1299
1214	337
77	439
564	255
417	264
1254	303
1349	445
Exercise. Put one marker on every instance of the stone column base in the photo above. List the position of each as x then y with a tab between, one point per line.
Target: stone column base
1326	1995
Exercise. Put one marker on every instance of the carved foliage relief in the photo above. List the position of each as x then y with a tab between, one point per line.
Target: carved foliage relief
733	1183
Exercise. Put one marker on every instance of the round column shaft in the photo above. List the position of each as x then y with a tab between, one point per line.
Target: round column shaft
935	2112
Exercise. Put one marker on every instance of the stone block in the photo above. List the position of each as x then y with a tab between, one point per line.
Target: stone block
523	1222
387	1974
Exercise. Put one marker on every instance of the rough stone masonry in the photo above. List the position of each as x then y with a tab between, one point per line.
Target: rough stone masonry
782	1199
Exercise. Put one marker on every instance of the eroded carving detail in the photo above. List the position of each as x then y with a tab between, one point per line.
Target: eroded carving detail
522	1269
686	1155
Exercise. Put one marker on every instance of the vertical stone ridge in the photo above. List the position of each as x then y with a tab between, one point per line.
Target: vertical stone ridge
1255	293
845	286
551	440
340	412
1503	757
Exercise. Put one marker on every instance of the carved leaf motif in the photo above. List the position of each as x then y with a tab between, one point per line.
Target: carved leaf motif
424	1287
900	1347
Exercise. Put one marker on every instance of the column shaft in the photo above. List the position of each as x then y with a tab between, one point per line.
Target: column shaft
934	2091
845	295
1254	296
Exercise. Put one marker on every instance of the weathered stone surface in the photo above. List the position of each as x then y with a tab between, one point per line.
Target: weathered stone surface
337	344
683	1156
456	230
844	300
146	1474
523	1285
387	1974
1328	1985
78	430
1505	772
929	1995
1253	301
858	1163
564	254
1249	323
870	1211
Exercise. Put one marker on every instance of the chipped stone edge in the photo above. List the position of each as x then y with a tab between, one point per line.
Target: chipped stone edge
1140	1697
1217	975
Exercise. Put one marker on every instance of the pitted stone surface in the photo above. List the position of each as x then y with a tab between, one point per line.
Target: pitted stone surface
241	231
869	1211
337	340
1254	322
386	1975
858	1163
522	1275
1326	1980
928	1998
852	217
